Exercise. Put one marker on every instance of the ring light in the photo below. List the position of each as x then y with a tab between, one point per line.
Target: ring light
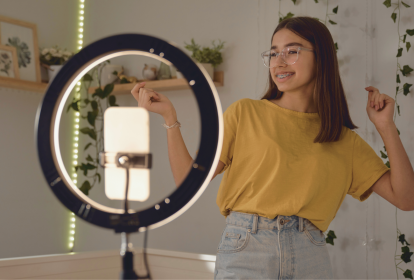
50	112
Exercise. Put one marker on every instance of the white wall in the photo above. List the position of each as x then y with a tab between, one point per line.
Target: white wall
35	223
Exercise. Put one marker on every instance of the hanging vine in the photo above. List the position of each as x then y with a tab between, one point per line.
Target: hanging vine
406	253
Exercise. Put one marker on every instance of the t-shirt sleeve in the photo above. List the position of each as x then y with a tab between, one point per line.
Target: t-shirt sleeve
367	168
230	120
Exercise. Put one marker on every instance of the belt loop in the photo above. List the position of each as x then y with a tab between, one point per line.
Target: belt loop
255	223
300	224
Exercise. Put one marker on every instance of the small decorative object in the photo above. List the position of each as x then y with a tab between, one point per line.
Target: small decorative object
110	73
164	72
125	79
8	62
23	37
206	55
149	72
53	59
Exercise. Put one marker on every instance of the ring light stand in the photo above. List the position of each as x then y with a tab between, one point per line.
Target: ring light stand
126	220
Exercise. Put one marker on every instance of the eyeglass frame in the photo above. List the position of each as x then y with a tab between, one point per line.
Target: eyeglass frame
283	51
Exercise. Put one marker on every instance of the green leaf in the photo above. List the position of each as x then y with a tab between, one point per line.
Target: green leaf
408	274
406	254
87	77
336	46
387	3
86	186
294	2
112	100
86	167
330	237
91	117
398	131
87	146
383	155
384	148
98	92
86	101
90	132
108	89
94	105
335	10
316	1
394	16
115	73
398	78
388	164
406	88
401	238
316	18
406	70
398	109
289	15
75	106
89	158
407	6
99	176
124	81
399	52
405	35
408	46
332	22
410	32
70	106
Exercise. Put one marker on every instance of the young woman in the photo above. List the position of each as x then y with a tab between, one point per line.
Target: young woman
289	159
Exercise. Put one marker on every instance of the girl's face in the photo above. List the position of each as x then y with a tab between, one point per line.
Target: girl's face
304	68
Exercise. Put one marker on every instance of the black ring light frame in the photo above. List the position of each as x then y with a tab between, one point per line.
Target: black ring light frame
52	106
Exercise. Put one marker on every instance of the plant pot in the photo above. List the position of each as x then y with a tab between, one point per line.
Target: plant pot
209	68
53	71
107	76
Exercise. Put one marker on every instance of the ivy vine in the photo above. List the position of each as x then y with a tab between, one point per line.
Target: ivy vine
95	110
406	70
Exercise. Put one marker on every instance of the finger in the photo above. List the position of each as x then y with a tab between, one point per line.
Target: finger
374	92
377	100
381	101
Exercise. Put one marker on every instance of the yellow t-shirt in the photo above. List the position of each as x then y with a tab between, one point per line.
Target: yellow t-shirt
272	167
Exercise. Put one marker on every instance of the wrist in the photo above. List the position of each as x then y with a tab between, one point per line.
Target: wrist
386	127
170	119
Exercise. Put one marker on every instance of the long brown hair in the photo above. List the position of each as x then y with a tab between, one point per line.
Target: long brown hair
328	93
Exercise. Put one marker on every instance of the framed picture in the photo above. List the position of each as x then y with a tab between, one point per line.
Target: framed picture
22	36
9	66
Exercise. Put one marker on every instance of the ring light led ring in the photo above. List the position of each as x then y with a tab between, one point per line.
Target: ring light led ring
50	112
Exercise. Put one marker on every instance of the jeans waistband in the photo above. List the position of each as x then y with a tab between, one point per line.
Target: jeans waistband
254	221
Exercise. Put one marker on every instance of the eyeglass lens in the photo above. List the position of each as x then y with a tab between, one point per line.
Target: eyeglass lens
290	56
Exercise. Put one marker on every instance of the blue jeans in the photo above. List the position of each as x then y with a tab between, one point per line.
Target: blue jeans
287	247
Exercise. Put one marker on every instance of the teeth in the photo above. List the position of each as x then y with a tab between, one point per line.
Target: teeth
285	75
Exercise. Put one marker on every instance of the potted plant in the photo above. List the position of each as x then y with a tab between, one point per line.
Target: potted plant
207	57
53	59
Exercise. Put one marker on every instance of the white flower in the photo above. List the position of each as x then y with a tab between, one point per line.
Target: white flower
52	51
48	57
45	51
58	54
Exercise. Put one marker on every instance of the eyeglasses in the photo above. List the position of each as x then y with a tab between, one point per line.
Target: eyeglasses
289	55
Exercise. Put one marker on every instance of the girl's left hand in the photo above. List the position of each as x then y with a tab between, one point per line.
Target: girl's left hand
380	107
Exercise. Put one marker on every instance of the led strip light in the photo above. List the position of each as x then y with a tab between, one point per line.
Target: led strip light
76	126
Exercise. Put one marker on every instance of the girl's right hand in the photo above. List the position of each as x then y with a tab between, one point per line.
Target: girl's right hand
152	100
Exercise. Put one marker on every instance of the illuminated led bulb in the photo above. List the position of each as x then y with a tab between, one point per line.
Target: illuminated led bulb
77	120
71	238
73	214
77	114
77	126
72	232
80	42
81	17
76	145
80	29
76	151
76	132
75	181
75	162
76	138
80	23
73	219
75	175
70	245
82	1
81	11
80	36
72	225
78	83
75	156
79	47
82	6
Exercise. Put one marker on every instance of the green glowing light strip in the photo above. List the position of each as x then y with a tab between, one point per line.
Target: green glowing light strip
76	126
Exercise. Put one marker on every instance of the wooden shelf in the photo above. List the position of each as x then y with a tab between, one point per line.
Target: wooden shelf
23	85
162	85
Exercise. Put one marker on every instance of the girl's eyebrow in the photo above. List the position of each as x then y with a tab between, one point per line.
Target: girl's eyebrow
290	44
